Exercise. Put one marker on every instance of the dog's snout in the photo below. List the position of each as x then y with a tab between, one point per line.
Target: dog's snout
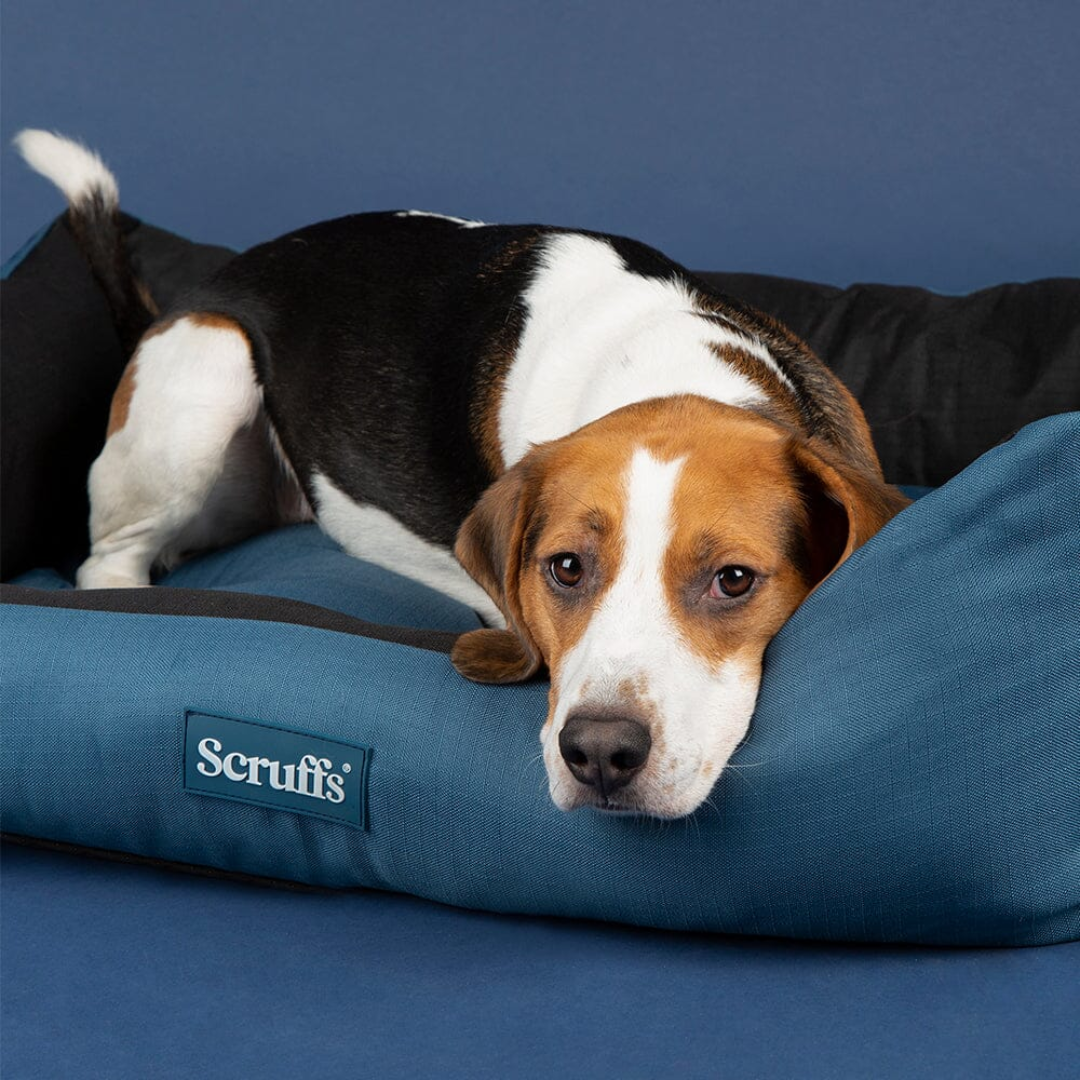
604	752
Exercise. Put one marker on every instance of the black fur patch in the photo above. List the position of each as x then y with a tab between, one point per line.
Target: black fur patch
381	342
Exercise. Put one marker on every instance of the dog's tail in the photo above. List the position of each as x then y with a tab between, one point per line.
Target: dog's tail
94	218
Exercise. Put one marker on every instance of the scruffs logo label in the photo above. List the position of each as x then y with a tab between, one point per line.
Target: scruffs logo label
252	762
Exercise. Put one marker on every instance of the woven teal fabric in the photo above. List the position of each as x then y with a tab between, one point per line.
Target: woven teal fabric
912	772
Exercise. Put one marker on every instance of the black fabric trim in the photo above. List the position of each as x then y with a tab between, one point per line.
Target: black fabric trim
222	604
195	869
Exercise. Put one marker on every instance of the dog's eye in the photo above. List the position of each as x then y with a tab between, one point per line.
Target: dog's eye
731	581
566	569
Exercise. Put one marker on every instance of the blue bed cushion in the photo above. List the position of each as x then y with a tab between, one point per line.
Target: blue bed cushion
912	772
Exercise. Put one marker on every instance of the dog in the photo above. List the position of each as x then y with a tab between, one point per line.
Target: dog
632	479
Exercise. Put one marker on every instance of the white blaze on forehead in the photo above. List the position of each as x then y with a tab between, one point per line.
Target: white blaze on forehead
634	614
650	491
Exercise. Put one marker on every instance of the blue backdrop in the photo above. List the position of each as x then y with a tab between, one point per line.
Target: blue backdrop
933	143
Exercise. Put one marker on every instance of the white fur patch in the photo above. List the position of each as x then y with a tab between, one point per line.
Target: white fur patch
598	337
465	223
190	468
699	713
76	170
373	535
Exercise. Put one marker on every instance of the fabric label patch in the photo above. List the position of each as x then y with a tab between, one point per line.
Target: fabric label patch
254	762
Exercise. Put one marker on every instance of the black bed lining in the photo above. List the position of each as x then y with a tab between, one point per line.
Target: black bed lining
222	604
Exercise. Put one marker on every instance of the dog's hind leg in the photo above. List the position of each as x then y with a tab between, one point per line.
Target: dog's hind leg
187	462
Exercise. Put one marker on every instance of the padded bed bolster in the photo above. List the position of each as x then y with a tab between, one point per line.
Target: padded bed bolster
912	772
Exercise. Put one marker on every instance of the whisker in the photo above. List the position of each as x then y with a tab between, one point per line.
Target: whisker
712	804
528	763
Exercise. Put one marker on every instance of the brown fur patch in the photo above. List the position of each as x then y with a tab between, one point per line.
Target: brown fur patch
484	410
121	401
737	503
580	505
489	546
782	405
159	328
210	320
831	486
744	499
827	409
492	656
491	369
566	495
125	389
142	290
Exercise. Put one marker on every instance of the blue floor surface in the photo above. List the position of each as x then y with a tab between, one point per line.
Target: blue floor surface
122	971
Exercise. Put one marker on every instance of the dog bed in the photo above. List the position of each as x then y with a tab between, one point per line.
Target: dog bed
913	767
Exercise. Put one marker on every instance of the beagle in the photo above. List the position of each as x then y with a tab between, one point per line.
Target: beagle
633	479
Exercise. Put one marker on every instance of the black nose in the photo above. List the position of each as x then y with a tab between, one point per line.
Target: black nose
603	751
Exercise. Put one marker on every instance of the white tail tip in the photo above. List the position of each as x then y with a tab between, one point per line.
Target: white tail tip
76	170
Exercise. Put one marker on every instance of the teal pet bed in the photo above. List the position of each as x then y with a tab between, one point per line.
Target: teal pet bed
281	710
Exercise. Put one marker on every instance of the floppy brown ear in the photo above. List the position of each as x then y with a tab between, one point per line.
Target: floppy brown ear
489	545
845	505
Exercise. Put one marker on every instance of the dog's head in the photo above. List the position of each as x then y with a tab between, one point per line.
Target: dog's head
647	560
